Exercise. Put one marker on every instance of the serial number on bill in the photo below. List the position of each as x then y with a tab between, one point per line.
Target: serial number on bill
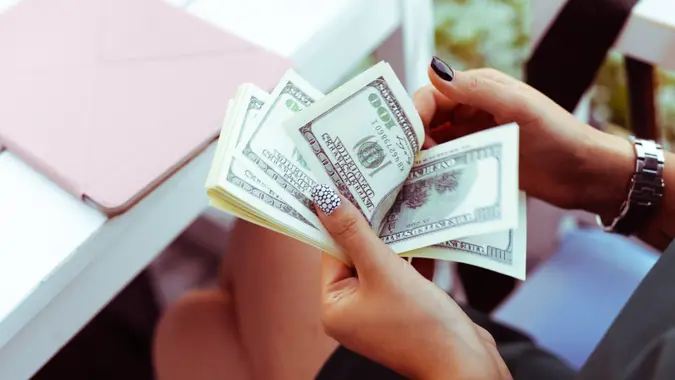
418	223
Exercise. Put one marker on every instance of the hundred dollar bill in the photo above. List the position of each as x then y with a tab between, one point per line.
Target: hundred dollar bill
365	139
245	185
234	188
502	251
217	164
270	154
362	139
464	187
238	179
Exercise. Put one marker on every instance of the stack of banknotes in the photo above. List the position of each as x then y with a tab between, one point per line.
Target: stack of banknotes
457	201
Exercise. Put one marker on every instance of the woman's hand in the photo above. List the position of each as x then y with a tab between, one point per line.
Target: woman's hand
562	160
385	310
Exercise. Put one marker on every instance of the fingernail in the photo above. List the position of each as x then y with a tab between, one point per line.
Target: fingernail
326	199
442	69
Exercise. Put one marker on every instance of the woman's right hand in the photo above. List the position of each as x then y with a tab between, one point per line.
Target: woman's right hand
385	310
562	161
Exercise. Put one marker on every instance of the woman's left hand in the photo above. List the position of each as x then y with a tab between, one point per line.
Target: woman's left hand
385	310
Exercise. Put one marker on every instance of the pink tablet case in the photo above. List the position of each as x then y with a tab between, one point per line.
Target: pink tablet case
108	97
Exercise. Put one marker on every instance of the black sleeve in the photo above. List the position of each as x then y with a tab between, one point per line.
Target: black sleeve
524	359
656	361
346	364
641	336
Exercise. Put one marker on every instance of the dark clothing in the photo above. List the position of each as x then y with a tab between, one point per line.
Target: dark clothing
524	359
640	344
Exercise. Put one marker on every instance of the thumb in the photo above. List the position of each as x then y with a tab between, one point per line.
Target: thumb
350	230
485	89
338	282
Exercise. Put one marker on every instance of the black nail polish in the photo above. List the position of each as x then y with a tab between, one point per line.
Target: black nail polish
442	69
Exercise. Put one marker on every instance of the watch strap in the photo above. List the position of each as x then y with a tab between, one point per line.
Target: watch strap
646	188
634	219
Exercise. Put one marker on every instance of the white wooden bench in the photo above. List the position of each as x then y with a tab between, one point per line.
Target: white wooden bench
61	261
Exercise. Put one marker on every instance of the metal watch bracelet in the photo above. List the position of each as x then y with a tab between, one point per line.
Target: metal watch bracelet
645	191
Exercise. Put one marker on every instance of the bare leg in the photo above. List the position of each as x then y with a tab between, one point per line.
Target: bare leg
265	324
270	326
197	339
275	281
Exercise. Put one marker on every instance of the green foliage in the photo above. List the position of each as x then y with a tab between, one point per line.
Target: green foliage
480	33
495	33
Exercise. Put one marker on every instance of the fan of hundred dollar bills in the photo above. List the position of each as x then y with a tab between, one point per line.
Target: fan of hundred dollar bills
457	201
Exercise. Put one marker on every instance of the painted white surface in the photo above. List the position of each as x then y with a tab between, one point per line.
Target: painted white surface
61	261
41	225
61	303
325	39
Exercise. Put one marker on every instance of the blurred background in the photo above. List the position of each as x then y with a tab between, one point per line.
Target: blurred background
496	33
468	34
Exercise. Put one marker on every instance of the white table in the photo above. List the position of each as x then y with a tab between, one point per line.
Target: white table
61	261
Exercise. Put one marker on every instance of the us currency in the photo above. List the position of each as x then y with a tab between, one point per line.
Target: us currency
362	139
237	176
268	152
503	251
464	187
218	163
233	187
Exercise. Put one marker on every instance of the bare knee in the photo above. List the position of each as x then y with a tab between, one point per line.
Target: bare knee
196	338
195	306
183	322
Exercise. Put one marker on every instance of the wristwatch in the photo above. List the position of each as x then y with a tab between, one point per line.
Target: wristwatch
645	192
